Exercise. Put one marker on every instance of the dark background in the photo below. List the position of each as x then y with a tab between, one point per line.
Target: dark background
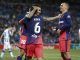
11	11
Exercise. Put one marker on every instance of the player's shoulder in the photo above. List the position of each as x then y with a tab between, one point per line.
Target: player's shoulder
41	17
68	15
5	30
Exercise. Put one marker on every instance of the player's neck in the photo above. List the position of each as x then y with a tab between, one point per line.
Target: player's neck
64	11
36	15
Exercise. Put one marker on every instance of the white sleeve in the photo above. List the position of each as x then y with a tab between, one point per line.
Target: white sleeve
10	33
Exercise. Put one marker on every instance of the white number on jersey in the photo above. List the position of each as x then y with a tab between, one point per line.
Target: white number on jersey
37	28
23	41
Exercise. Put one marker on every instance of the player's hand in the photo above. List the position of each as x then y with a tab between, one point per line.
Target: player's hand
59	15
35	7
54	28
58	31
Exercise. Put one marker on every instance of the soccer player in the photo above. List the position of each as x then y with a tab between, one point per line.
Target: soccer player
6	37
34	41
23	38
64	31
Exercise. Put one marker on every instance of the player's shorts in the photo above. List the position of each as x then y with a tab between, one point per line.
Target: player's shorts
22	43
34	50
6	45
64	43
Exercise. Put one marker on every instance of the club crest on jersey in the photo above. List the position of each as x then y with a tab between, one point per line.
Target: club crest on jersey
68	16
36	19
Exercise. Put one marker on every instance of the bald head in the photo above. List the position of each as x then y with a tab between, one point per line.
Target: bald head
64	6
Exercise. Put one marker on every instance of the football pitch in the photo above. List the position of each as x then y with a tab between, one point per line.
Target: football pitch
49	54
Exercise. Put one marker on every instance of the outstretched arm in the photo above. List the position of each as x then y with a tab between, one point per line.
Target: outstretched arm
52	18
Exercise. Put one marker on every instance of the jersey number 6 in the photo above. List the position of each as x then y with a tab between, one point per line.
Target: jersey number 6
37	28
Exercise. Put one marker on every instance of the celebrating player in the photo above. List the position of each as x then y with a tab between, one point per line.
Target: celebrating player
23	38
34	41
6	35
64	30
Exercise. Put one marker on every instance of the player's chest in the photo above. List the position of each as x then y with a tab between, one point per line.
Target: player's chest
62	20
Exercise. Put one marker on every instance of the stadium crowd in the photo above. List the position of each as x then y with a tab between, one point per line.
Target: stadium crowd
13	12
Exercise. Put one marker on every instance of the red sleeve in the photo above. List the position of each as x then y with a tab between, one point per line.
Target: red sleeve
21	21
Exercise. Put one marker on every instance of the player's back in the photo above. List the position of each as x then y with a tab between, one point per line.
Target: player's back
35	25
34	29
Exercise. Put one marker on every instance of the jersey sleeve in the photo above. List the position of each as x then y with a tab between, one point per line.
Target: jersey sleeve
21	21
10	33
67	23
25	20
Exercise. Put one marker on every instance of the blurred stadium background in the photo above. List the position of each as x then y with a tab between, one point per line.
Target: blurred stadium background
11	11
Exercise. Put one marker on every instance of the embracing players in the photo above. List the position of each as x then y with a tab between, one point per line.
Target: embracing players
34	42
34	21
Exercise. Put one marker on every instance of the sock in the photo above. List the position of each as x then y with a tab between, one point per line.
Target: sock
25	58
2	54
19	58
63	57
11	54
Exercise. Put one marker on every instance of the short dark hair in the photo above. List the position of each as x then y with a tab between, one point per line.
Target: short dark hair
37	4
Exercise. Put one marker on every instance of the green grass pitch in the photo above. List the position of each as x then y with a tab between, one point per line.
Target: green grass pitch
49	54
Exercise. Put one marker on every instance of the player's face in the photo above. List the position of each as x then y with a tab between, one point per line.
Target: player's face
38	11
63	7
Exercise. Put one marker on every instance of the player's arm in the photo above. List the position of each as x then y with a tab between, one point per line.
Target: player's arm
28	15
11	32
21	21
52	18
19	32
31	13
